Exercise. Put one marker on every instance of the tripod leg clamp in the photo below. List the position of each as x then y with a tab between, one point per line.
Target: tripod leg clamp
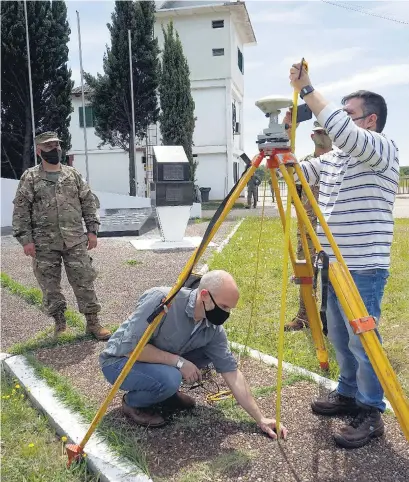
362	325
302	280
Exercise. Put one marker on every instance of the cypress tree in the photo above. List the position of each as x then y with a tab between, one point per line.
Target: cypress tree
177	120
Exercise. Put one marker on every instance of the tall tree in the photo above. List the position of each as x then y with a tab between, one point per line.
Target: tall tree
177	120
51	85
111	92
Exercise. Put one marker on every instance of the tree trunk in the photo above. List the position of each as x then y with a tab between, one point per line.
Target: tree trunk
132	183
28	135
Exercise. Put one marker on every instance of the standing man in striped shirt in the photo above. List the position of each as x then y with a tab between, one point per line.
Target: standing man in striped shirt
357	192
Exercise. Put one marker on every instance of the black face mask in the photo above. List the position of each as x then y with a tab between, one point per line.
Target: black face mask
52	157
216	316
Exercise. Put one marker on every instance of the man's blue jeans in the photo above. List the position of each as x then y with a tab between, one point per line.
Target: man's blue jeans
357	378
150	383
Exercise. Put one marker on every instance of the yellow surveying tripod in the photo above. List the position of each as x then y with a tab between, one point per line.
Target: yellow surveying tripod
273	147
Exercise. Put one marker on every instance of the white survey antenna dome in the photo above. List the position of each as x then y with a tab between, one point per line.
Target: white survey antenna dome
273	104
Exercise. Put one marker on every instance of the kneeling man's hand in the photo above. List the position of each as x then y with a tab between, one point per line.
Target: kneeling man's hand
268	425
190	372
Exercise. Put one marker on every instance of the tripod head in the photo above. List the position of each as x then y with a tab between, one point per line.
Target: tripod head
275	136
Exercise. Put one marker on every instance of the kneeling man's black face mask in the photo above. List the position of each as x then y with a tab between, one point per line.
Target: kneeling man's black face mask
216	316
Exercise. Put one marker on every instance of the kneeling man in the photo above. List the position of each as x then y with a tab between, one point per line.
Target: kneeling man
189	337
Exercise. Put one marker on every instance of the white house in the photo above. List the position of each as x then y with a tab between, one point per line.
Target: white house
213	35
108	166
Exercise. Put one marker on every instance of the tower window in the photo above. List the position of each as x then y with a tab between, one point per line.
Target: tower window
217	23
218	52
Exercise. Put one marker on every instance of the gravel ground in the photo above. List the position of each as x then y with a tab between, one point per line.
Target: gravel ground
20	321
194	442
118	285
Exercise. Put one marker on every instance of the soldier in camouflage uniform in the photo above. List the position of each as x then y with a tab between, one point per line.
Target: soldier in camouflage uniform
252	191
323	144
51	201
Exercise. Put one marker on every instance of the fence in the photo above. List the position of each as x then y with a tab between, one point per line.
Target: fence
403	185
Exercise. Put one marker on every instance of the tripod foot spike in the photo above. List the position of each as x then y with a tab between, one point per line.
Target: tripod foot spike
74	452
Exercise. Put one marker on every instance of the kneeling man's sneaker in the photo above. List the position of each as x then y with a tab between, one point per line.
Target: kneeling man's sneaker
142	416
335	404
366	425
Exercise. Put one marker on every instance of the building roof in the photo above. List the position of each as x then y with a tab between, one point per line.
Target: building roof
77	90
237	8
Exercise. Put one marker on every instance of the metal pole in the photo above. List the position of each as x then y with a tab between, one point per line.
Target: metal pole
133	109
83	100
30	84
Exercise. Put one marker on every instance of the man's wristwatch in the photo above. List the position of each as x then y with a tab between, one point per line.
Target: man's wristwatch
180	363
306	90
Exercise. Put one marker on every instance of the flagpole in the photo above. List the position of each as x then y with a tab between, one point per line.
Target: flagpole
133	111
30	84
83	99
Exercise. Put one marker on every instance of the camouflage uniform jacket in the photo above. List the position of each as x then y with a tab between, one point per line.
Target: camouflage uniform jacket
48	212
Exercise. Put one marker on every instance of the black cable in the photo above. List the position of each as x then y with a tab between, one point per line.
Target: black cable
365	12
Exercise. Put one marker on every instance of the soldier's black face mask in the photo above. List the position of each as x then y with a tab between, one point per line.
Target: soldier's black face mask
216	316
52	157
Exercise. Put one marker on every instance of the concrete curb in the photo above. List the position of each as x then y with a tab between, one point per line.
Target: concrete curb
100	458
288	367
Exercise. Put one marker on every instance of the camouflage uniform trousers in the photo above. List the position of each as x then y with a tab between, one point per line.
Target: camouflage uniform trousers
302	312
252	192
80	272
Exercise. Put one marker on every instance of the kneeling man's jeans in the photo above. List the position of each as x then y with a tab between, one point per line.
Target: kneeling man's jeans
357	378
150	383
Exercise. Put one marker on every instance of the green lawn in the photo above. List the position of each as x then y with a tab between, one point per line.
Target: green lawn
30	450
240	258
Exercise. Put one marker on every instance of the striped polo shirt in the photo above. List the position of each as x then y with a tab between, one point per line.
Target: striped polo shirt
357	188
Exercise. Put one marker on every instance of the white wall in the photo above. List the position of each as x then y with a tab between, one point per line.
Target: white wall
198	39
210	110
108	171
8	191
107	200
211	172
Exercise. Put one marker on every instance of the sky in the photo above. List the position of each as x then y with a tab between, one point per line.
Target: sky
346	50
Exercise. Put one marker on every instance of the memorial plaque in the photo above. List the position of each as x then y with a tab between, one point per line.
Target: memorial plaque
173	172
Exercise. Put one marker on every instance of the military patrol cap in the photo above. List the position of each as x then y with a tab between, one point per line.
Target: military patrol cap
48	136
317	127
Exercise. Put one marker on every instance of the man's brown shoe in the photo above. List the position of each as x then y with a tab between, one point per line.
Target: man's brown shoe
60	324
95	328
335	404
366	425
296	324
143	416
179	401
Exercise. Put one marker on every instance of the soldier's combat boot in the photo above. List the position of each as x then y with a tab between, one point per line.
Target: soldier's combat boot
297	323
60	323
95	328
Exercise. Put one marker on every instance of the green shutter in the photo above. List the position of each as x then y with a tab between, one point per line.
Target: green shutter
89	116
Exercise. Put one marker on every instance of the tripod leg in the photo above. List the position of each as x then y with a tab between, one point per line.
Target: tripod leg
304	272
